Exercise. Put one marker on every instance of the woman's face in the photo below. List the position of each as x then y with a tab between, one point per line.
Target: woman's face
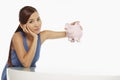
34	23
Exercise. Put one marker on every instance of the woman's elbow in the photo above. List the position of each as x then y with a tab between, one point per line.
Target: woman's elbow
26	65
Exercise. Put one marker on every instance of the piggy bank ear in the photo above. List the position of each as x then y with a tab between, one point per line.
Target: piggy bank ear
77	22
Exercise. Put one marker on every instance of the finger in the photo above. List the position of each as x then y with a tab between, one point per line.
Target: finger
28	29
25	29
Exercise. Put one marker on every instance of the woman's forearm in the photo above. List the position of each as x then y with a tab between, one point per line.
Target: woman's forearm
30	54
55	34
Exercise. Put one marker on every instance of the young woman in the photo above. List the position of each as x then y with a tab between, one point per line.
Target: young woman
27	40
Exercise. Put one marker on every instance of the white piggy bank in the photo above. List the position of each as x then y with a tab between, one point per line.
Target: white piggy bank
73	31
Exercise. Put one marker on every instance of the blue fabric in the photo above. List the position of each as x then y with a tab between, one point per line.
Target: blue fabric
15	61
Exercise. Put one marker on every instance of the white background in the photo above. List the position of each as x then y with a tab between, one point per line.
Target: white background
99	49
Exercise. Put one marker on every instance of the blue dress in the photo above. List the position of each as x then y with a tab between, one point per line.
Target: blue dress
15	61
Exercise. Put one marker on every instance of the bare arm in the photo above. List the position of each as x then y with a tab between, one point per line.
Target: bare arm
48	34
54	34
24	56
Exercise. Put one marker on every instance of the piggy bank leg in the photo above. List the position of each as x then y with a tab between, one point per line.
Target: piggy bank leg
72	40
77	39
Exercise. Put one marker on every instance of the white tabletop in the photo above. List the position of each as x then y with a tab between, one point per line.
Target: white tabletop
18	73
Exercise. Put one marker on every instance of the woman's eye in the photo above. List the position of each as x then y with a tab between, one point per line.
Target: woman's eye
31	22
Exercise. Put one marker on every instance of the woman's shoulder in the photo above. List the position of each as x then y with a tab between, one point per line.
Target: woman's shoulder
43	32
17	35
43	36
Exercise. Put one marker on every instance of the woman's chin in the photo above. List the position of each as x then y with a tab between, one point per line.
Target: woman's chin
37	32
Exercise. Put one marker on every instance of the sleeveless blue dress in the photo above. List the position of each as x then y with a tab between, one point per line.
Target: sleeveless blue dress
15	61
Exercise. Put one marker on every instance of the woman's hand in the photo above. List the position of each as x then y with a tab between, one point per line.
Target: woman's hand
27	30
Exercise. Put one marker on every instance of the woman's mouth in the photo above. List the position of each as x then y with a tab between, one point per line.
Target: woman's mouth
37	29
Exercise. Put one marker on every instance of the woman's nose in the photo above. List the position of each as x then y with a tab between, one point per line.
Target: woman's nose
36	24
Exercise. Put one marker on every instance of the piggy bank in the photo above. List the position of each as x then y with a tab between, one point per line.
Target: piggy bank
73	31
